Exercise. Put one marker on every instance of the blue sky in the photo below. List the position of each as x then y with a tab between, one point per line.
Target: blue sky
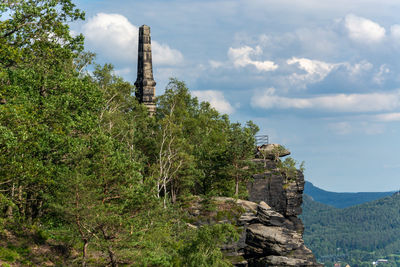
319	77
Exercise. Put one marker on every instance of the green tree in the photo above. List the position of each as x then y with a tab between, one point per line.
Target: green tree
43	100
175	168
80	156
102	197
204	247
241	151
36	31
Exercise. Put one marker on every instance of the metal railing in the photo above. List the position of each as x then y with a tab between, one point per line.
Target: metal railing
262	140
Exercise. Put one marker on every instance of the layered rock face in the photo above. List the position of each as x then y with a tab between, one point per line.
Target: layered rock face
271	239
273	233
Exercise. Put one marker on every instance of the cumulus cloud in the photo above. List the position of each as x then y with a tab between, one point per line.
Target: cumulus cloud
315	70
363	30
216	100
372	102
241	58
114	36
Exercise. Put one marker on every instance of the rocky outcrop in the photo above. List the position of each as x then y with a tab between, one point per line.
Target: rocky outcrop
271	232
272	240
271	151
274	237
283	194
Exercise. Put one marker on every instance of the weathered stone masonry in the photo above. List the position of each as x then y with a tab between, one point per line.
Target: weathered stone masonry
145	84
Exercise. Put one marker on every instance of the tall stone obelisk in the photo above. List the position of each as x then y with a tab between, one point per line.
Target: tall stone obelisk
145	84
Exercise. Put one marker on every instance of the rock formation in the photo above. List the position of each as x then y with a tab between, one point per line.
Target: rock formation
275	236
272	234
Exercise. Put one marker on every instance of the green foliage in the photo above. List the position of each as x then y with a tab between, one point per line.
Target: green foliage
289	169
203	247
36	31
9	255
200	151
240	152
83	164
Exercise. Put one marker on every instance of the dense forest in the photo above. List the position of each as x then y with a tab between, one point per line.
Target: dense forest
357	235
85	169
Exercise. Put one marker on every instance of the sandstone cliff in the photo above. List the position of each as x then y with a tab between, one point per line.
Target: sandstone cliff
275	236
272	234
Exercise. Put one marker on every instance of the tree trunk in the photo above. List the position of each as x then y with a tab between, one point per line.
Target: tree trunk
20	204
173	192
84	250
112	257
9	211
165	192
237	185
28	208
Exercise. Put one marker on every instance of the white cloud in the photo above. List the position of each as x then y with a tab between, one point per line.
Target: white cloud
373	128
372	102
358	68
386	117
350	127
380	76
215	64
114	36
164	55
123	71
267	99
315	70
241	58
341	128
363	30
216	99
395	32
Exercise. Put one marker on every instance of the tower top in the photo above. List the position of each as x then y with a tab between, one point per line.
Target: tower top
145	84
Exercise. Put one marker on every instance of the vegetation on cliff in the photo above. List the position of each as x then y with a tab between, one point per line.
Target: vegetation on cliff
86	172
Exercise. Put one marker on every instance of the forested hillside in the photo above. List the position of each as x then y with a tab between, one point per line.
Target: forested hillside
342	200
85	171
357	234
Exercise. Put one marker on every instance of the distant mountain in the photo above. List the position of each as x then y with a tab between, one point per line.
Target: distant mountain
342	200
360	233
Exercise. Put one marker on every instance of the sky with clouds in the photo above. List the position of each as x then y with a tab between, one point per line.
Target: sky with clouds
319	77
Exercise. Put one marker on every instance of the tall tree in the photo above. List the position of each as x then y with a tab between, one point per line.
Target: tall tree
241	151
175	167
42	98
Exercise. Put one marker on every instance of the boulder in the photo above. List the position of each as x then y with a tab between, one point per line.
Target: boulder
271	151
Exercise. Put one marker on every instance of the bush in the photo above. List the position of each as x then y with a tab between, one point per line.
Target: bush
9	255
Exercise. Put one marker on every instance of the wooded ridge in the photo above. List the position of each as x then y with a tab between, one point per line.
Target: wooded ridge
86	171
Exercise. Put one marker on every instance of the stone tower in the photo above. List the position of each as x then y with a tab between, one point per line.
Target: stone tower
145	84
